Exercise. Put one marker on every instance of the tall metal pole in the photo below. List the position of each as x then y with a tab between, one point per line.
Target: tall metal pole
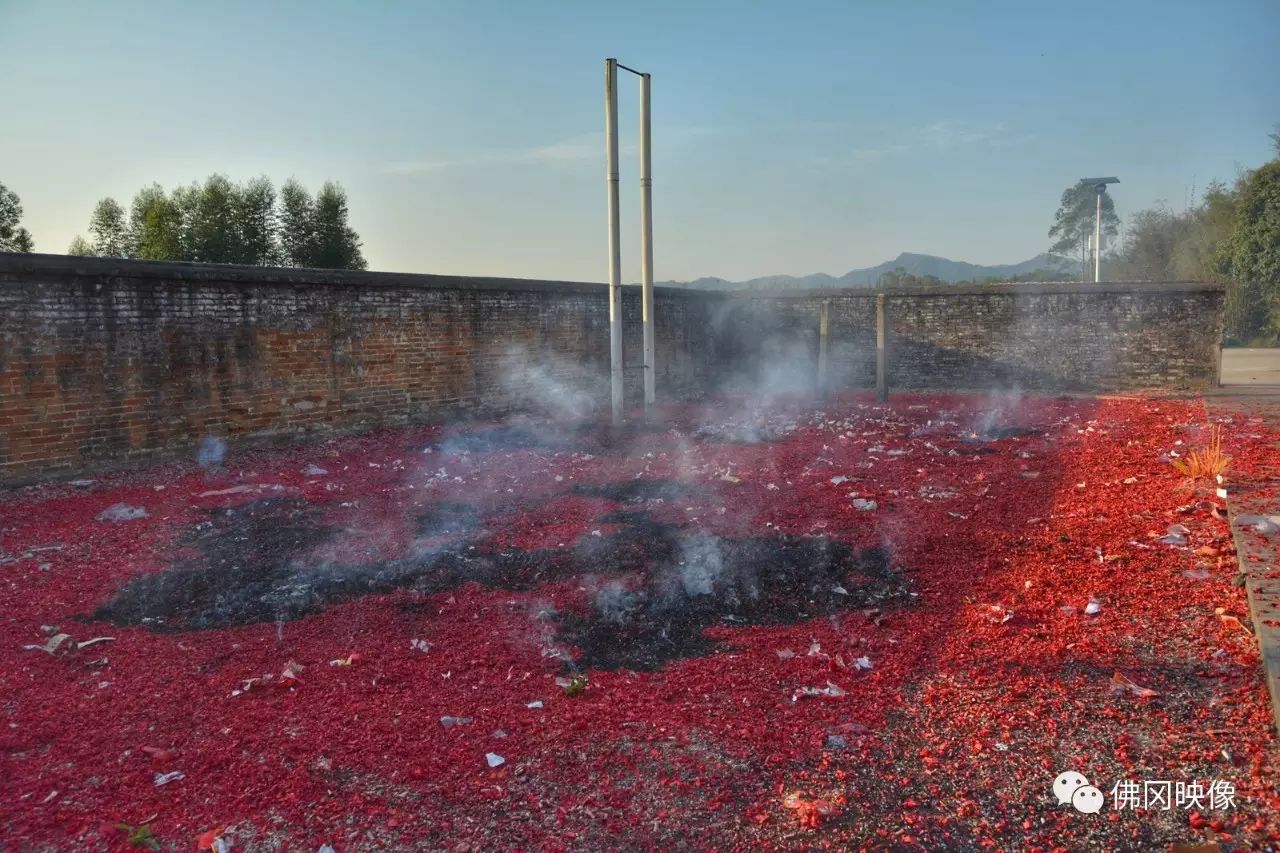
646	247
882	348
1097	240
615	248
824	316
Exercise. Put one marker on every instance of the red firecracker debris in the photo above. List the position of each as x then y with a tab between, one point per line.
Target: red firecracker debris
894	624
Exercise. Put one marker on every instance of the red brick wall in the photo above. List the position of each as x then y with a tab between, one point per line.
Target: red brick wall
105	360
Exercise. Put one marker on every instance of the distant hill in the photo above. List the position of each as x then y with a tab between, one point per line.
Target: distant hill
913	264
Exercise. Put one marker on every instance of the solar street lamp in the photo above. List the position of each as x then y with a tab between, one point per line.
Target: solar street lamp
1100	187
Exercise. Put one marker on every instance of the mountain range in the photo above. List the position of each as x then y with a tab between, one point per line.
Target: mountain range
911	263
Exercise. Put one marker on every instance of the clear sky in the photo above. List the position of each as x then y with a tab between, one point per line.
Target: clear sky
788	137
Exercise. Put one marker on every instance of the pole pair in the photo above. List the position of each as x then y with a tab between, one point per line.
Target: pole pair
611	67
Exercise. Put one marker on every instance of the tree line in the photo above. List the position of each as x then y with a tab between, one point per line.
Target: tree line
1229	234
218	221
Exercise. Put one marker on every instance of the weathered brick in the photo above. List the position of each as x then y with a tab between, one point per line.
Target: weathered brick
104	360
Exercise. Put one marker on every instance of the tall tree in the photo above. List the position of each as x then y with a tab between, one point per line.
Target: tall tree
1160	244
155	225
255	204
80	246
13	237
211	231
1073	223
110	231
1195	256
1250	257
297	225
337	246
1231	235
1150	242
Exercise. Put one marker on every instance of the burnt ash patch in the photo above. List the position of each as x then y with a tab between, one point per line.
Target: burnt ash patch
656	586
504	437
627	429
606	437
639	490
257	563
745	433
975	448
247	555
448	518
642	622
996	433
507	437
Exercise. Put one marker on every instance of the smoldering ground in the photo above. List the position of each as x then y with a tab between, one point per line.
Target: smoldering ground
653	587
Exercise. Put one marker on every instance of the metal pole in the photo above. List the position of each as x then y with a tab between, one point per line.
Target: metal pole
824	311
646	247
882	348
1097	241
615	248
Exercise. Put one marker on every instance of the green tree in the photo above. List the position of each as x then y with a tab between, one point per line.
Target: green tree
255	204
1195	257
337	244
13	237
110	231
155	225
211	231
297	225
80	246
1250	257
1073	223
219	221
1150	241
1160	244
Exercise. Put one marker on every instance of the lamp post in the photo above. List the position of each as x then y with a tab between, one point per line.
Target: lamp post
1100	187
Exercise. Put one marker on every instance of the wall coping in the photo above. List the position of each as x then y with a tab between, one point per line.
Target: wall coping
1012	288
74	266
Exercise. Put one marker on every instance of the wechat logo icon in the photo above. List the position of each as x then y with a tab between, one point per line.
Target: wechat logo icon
1071	787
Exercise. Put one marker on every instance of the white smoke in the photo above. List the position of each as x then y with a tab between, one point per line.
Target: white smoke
211	452
701	564
564	391
996	409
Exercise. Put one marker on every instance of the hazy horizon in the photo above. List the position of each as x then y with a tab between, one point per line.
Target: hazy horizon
787	142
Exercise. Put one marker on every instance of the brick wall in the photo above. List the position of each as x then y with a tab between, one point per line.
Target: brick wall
1063	336
103	360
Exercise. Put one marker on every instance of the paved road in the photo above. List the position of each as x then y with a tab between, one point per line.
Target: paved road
1252	367
1251	389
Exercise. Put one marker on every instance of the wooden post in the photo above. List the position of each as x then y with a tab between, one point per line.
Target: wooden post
823	325
882	346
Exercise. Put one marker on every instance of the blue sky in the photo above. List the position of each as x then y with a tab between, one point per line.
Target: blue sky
788	137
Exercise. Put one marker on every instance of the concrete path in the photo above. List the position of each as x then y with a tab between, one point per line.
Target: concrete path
1255	393
1252	367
